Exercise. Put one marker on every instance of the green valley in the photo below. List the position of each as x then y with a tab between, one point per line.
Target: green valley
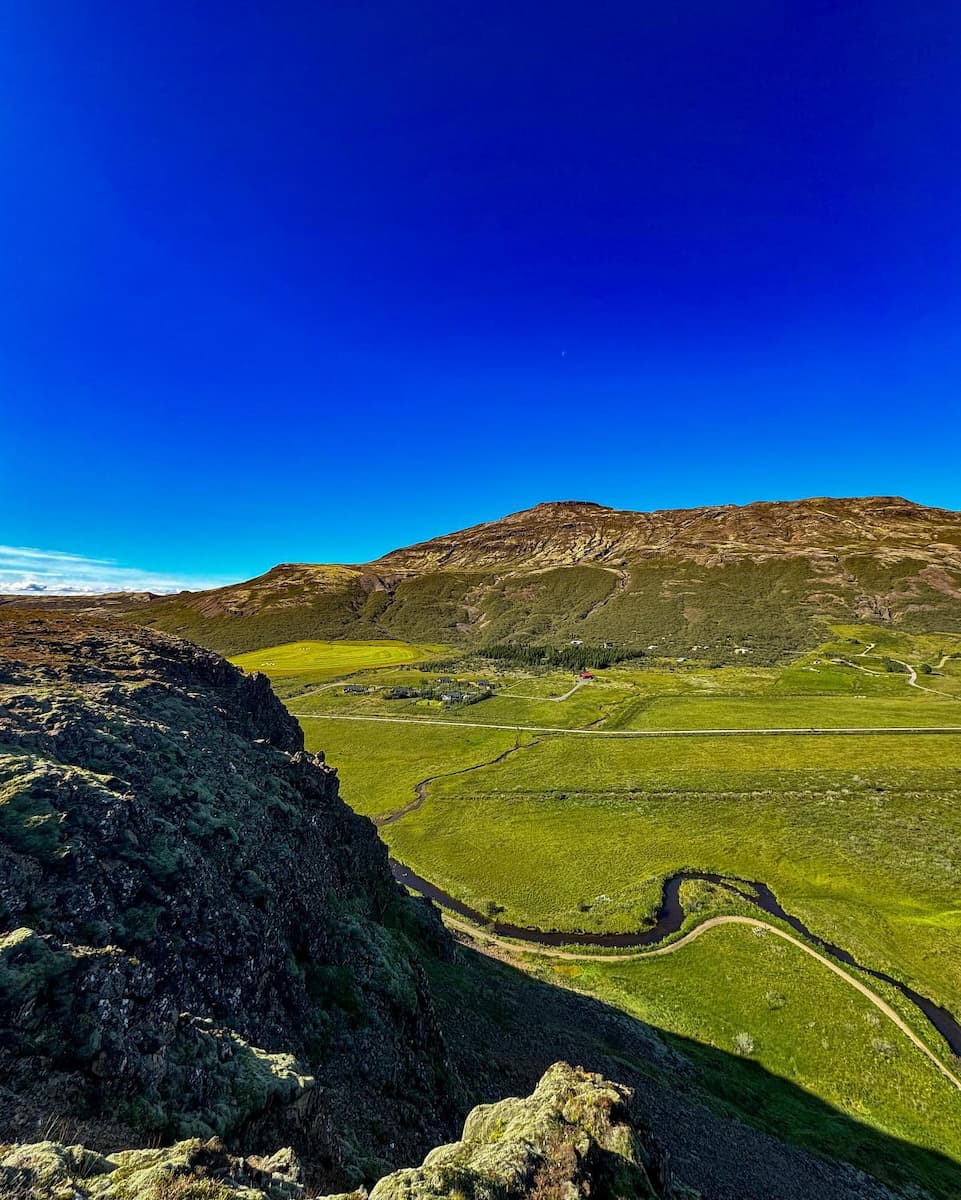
542	799
701	766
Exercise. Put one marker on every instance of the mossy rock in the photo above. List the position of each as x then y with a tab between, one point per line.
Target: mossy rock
574	1136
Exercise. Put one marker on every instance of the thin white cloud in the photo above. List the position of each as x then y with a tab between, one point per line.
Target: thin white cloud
29	553
27	570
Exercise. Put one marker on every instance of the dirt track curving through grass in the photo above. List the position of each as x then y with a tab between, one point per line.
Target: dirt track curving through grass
669	921
420	789
547	699
713	923
912	679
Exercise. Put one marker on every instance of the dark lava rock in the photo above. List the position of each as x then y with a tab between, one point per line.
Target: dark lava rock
197	936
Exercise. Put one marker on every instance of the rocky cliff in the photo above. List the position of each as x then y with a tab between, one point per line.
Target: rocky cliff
197	936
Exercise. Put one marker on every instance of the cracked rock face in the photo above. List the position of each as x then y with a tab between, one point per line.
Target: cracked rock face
197	936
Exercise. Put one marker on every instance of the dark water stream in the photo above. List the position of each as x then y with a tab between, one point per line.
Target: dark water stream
669	919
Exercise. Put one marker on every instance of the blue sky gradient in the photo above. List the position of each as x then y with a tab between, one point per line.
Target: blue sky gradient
310	281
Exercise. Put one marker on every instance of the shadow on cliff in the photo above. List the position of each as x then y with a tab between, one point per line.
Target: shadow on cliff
731	1127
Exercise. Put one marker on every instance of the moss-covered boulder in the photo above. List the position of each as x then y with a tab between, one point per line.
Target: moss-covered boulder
190	1170
576	1135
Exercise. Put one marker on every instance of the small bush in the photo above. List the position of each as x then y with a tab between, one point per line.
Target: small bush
743	1044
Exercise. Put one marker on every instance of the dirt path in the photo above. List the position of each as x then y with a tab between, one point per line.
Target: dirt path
549	699
913	681
713	923
322	687
807	731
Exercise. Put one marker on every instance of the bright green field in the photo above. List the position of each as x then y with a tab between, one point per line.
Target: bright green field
859	836
795	712
587	705
378	773
311	662
876	872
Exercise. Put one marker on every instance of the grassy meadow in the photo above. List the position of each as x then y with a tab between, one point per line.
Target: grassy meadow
297	665
859	835
380	765
873	871
768	1003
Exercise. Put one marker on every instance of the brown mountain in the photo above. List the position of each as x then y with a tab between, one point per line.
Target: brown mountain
569	532
767	575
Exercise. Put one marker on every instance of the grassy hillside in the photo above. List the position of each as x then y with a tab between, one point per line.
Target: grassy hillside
770	1005
768	577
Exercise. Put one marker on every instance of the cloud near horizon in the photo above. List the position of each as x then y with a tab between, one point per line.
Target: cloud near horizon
26	570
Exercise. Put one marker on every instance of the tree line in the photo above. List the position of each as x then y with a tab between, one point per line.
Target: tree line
568	658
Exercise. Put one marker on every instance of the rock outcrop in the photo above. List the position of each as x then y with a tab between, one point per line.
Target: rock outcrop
576	1136
197	937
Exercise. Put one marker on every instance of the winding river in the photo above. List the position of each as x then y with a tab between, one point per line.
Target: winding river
668	921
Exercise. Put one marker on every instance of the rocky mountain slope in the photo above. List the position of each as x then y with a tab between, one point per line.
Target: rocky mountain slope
764	576
198	936
573	532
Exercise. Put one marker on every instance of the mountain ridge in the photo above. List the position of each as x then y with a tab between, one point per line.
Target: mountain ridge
769	575
559	508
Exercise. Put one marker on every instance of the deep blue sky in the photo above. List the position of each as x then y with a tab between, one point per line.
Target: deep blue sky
308	281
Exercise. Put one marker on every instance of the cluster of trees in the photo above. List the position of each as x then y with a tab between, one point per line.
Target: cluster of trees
565	658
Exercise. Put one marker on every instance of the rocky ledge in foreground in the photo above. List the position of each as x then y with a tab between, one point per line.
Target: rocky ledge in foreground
576	1136
197	937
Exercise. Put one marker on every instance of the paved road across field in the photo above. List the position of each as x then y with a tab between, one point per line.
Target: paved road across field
843	731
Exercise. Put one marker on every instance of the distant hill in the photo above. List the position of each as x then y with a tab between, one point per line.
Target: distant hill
763	577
